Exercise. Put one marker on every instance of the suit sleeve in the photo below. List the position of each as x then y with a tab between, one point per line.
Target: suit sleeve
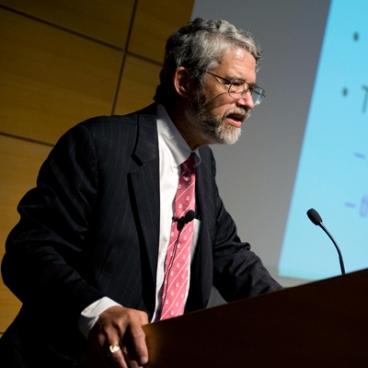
238	271
42	264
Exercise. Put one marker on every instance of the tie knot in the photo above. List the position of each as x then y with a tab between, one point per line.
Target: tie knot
187	167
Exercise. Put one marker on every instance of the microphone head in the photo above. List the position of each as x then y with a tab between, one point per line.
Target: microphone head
189	216
314	216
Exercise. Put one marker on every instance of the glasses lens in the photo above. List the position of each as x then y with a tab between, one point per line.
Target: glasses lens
236	91
258	95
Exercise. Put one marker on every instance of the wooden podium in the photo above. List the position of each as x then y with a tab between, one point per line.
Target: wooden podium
321	324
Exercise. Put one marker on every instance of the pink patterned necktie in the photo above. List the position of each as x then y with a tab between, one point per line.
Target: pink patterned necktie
178	253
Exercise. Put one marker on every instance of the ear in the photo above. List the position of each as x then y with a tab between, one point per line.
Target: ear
183	82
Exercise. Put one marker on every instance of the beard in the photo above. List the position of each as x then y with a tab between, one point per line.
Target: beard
214	128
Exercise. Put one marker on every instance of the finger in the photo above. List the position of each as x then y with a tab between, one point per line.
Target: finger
132	363
112	346
137	348
116	356
143	317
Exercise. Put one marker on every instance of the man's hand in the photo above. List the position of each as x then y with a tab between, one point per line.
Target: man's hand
118	338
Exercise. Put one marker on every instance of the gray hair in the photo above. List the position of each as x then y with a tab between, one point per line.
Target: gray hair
199	46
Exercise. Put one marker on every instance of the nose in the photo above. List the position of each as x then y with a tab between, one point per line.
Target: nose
246	100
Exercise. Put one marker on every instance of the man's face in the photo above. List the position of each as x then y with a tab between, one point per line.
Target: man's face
217	116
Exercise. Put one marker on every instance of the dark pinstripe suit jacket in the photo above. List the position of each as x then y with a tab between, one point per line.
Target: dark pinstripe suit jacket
91	227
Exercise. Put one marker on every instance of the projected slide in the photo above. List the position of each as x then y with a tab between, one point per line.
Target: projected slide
332	174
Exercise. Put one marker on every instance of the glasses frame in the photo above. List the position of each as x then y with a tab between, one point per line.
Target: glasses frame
258	93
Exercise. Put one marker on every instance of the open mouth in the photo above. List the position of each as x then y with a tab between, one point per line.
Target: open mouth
235	119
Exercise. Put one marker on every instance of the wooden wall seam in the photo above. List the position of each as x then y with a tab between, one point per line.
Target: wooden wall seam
123	60
26	139
61	28
144	58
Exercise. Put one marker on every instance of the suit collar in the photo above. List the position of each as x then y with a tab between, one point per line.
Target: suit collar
146	148
144	178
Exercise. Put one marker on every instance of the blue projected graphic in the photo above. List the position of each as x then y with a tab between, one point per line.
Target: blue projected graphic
332	175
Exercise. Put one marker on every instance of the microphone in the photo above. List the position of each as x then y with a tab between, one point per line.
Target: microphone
182	221
314	216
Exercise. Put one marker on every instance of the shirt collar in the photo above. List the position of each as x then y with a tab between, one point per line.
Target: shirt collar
173	139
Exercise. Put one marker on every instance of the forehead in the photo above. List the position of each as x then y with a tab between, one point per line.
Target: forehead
237	63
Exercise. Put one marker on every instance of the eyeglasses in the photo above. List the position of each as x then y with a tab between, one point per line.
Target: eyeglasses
238	88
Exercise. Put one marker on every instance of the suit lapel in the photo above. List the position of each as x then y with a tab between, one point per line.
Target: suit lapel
144	176
202	265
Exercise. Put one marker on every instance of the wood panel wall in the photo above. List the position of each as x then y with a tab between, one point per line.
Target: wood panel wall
60	63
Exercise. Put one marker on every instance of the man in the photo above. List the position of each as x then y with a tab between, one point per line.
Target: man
120	198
